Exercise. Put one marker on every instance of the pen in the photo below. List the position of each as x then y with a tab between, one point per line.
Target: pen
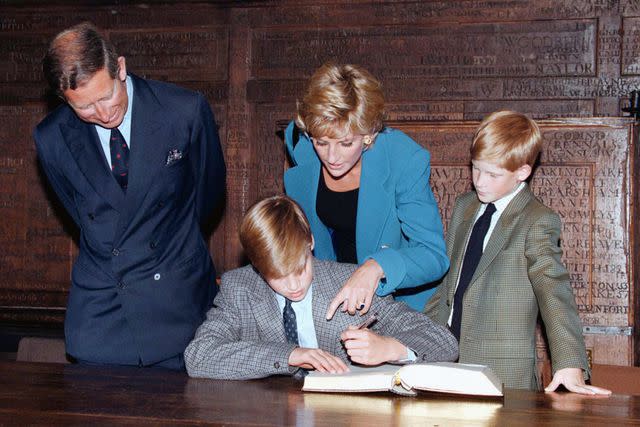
368	322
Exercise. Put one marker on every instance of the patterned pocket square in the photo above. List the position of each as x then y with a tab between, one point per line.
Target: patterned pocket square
173	156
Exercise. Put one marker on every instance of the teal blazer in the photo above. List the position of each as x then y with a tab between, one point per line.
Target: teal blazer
397	223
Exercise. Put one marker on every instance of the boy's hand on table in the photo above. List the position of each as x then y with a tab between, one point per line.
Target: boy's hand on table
573	381
320	360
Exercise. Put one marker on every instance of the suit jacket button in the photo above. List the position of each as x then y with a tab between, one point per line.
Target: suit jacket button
276	365
115	252
92	216
152	245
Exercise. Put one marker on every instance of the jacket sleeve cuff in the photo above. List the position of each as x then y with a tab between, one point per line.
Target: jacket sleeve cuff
394	270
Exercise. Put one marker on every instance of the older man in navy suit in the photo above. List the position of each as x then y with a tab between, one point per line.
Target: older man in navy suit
139	167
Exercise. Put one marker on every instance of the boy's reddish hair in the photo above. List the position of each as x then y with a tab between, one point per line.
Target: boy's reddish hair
507	138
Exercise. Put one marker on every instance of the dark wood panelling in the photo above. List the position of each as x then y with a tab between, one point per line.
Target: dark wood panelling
442	64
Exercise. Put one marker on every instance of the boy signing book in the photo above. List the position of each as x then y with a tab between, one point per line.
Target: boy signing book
506	266
269	317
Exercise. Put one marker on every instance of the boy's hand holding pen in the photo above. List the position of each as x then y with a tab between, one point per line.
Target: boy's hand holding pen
370	321
366	347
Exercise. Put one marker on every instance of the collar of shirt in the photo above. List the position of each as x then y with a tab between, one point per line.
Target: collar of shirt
124	128
501	205
304	318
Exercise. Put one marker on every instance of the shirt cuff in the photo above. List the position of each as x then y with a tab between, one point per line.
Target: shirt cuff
411	357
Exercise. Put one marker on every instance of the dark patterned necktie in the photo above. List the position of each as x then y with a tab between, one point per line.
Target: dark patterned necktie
471	258
119	158
290	324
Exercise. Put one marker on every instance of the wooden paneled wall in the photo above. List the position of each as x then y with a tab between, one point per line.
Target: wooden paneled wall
444	65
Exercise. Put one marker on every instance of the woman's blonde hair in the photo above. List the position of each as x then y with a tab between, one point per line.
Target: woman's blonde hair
276	237
341	99
508	138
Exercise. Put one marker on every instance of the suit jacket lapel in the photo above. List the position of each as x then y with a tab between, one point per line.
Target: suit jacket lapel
83	143
373	201
503	229
460	244
146	151
266	311
305	190
327	331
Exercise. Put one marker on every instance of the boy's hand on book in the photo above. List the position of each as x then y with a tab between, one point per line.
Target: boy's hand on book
320	360
368	348
357	292
573	380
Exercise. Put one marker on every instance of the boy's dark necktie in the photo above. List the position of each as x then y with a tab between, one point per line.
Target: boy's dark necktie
119	158
290	324
291	332
471	258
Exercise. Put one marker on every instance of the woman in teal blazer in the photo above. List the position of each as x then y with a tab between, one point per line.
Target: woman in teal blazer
339	146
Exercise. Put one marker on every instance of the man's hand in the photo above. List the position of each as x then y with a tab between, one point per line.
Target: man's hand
357	292
368	348
573	380
320	360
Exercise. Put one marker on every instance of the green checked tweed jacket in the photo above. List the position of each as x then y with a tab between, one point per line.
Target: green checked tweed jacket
519	276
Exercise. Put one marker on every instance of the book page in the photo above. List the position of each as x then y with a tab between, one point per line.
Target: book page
451	377
359	379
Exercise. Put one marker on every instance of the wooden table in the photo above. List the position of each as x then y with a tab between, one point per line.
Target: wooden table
52	394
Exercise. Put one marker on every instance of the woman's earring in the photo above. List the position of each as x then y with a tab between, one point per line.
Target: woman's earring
366	140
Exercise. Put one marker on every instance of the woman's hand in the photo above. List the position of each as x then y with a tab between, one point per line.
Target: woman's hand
357	293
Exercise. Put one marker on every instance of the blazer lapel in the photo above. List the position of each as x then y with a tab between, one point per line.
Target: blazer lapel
305	181
503	229
323	291
146	151
83	143
267	312
373	202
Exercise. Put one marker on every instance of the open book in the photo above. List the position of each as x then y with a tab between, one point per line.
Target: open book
444	377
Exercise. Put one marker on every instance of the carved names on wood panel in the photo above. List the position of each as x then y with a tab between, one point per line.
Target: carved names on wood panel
534	48
37	251
425	13
21	57
183	55
631	47
270	151
54	19
583	174
476	110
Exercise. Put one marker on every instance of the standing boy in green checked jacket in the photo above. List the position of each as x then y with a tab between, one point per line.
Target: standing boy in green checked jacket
506	266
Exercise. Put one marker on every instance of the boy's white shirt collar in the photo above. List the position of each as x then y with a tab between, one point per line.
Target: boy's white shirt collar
501	204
